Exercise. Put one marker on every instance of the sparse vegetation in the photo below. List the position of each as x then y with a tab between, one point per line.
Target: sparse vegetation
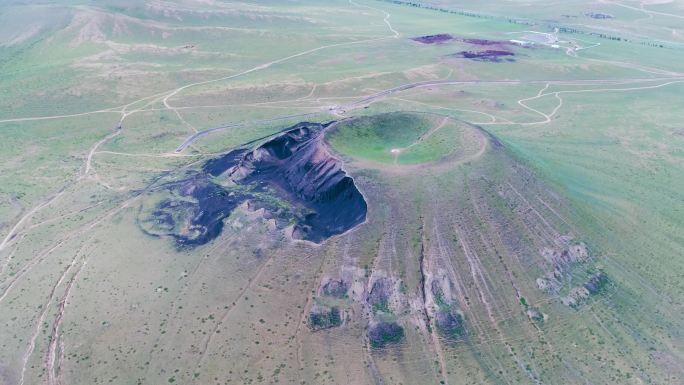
497	191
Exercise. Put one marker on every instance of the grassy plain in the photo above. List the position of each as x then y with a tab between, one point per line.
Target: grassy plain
587	142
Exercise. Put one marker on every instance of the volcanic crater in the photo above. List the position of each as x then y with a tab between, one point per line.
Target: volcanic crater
293	177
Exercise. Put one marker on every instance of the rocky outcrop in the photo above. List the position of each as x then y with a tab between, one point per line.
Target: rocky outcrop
293	177
379	295
335	288
299	165
562	259
322	317
580	294
448	318
381	334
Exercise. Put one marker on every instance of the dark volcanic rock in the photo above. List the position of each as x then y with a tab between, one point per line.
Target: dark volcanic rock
483	42
580	294
324	318
490	55
216	167
293	177
596	282
379	294
198	219
449	323
335	288
599	16
385	333
300	167
433	39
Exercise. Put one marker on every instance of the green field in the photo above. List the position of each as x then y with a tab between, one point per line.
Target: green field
525	216
403	138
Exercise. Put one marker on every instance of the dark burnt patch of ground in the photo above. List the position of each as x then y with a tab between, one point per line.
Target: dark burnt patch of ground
448	319
433	39
193	209
383	334
596	282
449	323
442	38
323	317
599	16
379	295
292	177
336	288
483	42
218	166
489	55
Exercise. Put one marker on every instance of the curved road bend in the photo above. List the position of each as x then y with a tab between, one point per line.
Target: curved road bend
382	94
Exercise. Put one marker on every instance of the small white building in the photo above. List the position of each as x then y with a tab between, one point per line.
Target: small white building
521	43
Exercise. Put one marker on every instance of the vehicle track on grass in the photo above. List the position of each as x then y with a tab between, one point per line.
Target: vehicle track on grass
590	310
41	320
41	256
47	251
426	269
340	110
397	151
554	234
478	276
491	249
50	356
492	118
641	9
430	83
497	240
13	231
548	117
55	196
209	338
38	224
302	316
166	95
172	320
448	258
385	20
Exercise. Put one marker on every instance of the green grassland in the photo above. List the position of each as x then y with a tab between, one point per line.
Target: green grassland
405	138
491	169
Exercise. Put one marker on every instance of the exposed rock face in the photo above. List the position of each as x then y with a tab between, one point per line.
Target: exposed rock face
576	296
565	259
433	39
448	319
217	166
570	254
379	295
449	323
322	317
596	282
195	216
562	259
490	55
299	165
579	294
382	334
535	314
293	177
335	288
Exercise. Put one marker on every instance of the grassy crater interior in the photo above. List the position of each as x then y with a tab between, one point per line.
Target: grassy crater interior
402	138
